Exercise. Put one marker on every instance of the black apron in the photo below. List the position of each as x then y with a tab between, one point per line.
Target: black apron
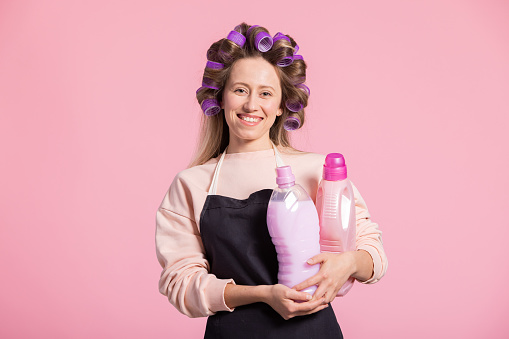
238	246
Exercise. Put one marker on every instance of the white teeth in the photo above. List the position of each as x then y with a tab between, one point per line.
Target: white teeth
250	119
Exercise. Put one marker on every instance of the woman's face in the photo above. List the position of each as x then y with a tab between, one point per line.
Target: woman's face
251	100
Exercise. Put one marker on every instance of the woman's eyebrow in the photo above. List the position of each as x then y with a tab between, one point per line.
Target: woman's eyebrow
244	84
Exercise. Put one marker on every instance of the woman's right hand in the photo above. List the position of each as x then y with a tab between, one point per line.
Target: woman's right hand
284	301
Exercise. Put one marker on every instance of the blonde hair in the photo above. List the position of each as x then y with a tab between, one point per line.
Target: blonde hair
214	133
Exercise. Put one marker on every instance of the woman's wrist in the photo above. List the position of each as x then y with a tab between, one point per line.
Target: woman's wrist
362	268
238	295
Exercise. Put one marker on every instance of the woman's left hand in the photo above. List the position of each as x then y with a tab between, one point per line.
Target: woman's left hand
335	270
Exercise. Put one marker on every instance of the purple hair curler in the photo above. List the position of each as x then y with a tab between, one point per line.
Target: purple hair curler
237	38
263	41
285	61
294	105
199	89
291	124
304	88
250	28
296	49
210	107
297	57
214	65
209	83
280	36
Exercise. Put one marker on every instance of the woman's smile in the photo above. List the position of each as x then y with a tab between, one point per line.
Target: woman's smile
249	119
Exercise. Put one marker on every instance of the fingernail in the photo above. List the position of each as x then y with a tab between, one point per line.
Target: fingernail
310	261
308	297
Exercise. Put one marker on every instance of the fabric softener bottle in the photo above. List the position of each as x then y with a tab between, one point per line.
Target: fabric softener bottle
336	210
293	225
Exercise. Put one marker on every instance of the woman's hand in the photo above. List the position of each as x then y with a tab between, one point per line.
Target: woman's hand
284	301
335	270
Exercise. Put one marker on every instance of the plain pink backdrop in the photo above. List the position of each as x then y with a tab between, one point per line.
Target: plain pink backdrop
97	114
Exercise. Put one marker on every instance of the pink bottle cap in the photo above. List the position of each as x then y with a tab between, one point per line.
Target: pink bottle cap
334	168
284	177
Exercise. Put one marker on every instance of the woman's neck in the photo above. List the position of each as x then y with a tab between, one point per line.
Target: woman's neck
242	146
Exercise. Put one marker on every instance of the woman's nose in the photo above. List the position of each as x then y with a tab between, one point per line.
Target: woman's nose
250	104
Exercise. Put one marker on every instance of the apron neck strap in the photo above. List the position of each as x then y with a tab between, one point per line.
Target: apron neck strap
215	178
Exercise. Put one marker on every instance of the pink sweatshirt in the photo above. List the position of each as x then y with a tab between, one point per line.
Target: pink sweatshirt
185	278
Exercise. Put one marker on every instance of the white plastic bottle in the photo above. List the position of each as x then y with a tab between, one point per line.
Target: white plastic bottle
293	225
336	210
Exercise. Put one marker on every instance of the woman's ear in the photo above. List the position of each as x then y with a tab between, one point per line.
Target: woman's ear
221	104
279	112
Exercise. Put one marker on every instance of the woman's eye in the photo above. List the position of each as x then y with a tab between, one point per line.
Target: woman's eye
266	94
240	90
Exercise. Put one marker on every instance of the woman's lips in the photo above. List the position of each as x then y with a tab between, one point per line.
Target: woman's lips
249	119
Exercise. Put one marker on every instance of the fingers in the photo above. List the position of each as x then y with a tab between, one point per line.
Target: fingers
308	307
314	280
328	289
323	292
299	296
289	303
319	258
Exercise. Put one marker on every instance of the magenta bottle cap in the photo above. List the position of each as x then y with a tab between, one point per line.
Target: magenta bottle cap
334	168
285	176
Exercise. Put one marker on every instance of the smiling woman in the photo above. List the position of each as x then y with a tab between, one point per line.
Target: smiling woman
281	66
251	103
212	240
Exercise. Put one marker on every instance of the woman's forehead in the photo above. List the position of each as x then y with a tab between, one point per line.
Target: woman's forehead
255	72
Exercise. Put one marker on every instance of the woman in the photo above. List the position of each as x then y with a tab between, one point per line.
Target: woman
212	240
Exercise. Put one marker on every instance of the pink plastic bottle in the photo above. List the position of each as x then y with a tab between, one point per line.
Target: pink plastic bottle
293	224
336	210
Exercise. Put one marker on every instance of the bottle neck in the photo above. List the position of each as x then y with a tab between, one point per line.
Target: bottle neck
287	185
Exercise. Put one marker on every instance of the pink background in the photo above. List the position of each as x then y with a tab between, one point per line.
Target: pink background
98	114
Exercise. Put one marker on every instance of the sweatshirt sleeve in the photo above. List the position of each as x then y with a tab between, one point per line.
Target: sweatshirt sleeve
185	278
369	238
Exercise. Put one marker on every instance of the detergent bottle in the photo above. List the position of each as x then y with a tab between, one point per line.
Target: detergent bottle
335	204
293	225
